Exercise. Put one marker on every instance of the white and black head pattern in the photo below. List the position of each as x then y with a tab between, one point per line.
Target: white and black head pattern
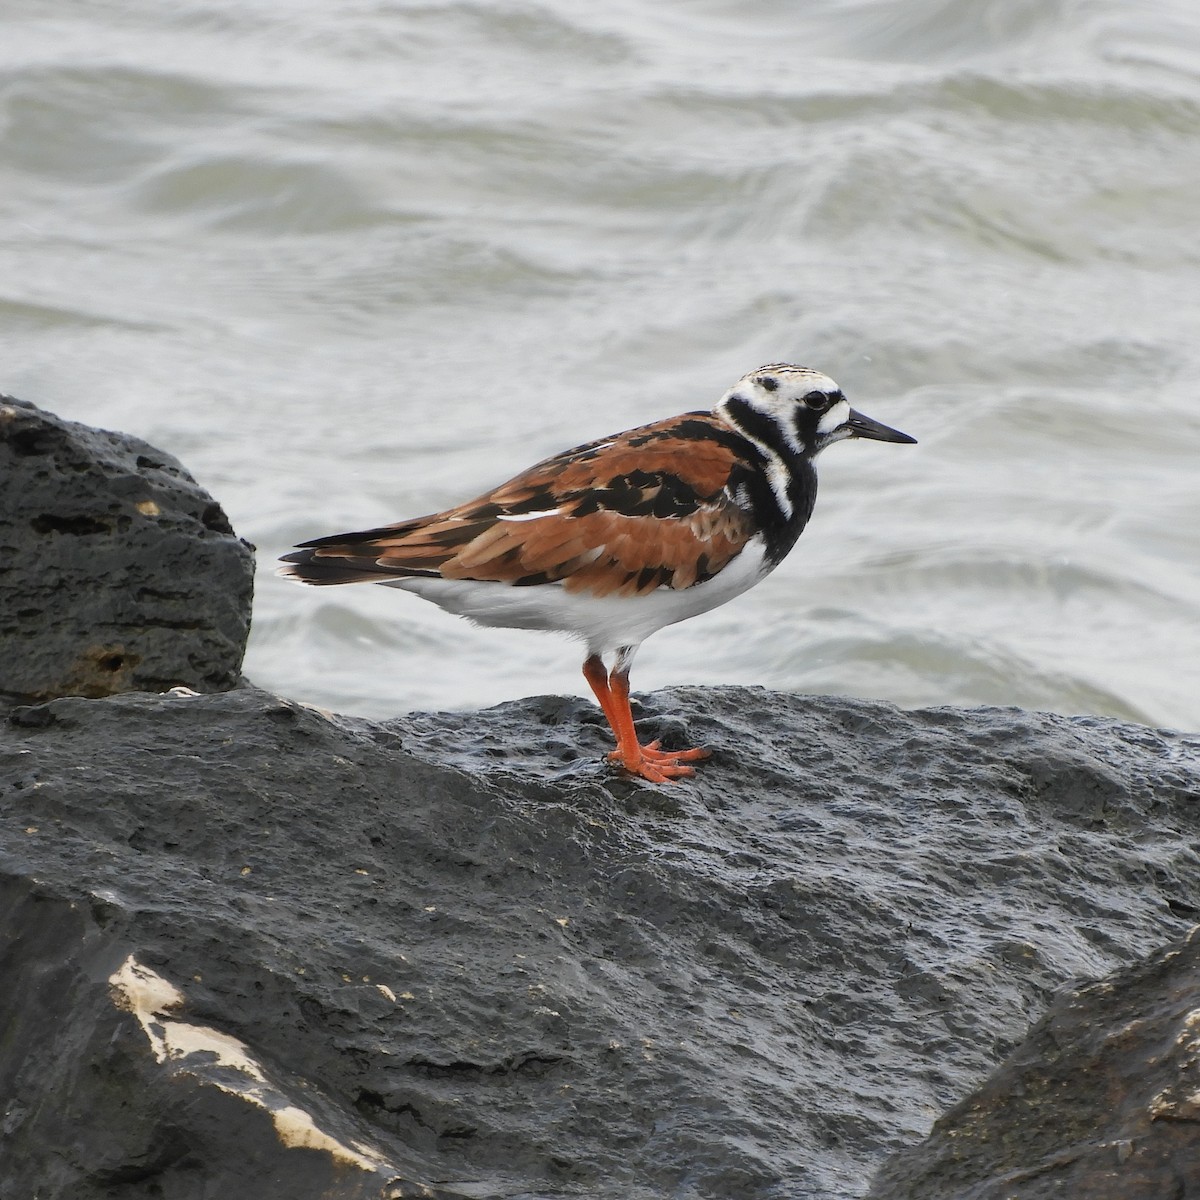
790	414
796	411
790	409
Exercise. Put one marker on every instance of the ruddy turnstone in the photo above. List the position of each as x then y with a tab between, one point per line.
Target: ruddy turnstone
618	538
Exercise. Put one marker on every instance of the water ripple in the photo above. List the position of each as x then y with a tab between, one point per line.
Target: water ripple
357	263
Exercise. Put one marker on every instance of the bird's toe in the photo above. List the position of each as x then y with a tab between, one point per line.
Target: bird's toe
659	766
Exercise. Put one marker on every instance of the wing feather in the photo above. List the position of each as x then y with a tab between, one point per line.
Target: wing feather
649	508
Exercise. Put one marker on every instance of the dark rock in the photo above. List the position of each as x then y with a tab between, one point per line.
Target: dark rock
1100	1102
462	958
118	572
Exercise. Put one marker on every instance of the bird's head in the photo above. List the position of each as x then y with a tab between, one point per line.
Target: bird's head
804	408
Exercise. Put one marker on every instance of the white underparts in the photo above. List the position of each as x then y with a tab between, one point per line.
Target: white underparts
604	623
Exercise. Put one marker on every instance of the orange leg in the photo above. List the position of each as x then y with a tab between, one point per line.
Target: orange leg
647	762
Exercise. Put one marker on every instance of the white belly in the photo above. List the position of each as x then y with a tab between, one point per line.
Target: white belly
605	623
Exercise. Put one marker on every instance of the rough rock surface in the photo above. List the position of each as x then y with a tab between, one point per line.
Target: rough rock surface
251	949
118	572
1100	1102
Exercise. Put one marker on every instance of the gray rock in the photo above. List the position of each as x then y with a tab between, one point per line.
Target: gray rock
118	572
253	949
456	955
1101	1101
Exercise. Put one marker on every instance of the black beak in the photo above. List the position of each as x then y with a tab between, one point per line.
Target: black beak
864	427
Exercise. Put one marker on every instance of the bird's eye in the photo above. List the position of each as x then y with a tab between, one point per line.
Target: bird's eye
818	400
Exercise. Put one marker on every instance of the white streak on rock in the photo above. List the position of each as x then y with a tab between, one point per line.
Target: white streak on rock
151	998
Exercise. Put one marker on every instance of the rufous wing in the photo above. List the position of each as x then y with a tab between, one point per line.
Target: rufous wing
649	508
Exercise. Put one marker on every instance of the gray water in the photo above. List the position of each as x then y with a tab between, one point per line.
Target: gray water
356	262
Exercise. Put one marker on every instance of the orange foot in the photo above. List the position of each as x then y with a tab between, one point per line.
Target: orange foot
658	766
646	762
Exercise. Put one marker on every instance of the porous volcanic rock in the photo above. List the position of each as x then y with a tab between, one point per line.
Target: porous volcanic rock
251	949
118	572
1100	1102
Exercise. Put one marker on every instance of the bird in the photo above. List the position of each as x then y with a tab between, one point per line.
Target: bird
618	538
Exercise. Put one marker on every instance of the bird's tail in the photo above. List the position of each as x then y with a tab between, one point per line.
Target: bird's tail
305	567
356	557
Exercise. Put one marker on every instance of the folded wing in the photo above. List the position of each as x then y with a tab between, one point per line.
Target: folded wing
650	508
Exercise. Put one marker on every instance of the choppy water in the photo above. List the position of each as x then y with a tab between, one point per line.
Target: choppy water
356	262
